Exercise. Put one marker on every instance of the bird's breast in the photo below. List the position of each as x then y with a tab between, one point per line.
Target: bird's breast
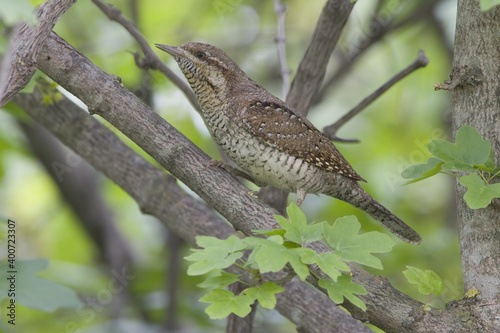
265	163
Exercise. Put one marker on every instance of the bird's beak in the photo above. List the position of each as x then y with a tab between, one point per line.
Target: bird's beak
172	50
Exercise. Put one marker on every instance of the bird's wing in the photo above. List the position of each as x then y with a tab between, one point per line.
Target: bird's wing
279	126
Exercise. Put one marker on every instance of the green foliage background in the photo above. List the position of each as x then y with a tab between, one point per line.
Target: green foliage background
394	132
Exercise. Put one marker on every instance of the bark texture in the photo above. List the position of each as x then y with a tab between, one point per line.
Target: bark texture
27	40
158	194
476	102
312	68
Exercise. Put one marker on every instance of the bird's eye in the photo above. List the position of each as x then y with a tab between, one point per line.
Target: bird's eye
200	54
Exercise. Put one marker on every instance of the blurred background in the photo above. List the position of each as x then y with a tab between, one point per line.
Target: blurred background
380	38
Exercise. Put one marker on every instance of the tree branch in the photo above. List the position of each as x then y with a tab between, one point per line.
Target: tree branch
184	160
158	194
280	39
19	63
331	130
312	68
151	60
79	187
379	27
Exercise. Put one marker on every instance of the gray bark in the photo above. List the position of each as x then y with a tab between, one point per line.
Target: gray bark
158	194
19	63
476	102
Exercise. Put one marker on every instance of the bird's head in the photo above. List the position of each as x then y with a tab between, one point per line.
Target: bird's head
203	64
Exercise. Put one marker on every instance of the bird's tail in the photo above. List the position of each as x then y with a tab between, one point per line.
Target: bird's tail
358	197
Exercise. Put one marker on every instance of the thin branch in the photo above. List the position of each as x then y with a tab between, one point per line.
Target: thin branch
331	130
379	28
312	68
79	186
19	63
280	39
158	194
150	60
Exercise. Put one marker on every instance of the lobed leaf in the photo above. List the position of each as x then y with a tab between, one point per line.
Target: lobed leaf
427	281
297	229
328	262
216	254
344	288
220	281
272	257
468	151
420	172
343	237
479	194
225	303
265	294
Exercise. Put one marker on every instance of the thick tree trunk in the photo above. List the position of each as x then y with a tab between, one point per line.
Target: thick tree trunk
476	102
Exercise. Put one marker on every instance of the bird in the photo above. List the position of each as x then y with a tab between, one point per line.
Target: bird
268	141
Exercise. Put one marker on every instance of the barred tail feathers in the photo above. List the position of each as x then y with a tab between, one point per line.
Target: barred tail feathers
355	195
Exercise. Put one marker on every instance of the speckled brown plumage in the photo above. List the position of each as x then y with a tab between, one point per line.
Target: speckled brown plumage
280	126
268	140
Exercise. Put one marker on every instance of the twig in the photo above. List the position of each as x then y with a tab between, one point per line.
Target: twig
365	42
19	63
280	40
331	131
312	68
150	60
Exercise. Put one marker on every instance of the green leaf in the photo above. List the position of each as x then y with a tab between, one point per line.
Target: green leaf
274	232
469	151
220	281
230	244
428	282
225	303
479	194
265	294
37	3
343	237
344	288
328	262
33	291
488	4
297	229
271	256
489	165
420	172
217	254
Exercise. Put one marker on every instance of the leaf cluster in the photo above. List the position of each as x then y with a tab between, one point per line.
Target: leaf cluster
285	249
470	154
